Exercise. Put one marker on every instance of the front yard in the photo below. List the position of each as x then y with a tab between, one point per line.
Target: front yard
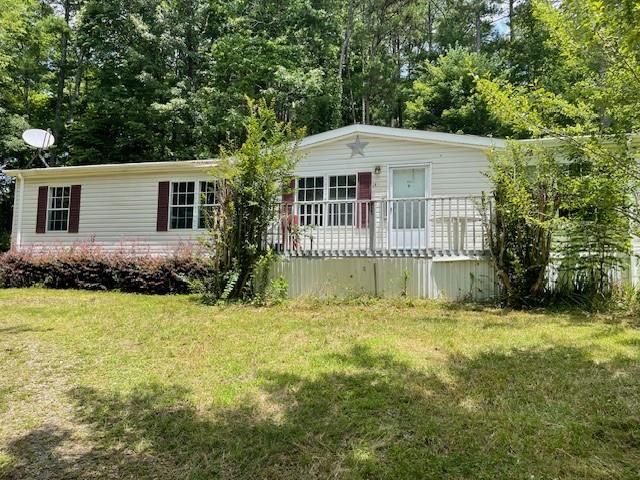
107	385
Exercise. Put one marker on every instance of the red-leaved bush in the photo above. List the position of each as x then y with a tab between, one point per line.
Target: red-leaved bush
87	266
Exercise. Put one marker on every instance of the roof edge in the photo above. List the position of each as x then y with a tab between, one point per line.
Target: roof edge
474	141
79	170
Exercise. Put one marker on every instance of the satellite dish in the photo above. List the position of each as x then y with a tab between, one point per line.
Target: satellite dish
40	139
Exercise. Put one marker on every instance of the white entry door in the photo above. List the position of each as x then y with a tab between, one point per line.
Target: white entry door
408	209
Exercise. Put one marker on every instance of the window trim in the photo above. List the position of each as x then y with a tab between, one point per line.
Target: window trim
202	200
311	213
50	209
325	215
339	213
197	202
186	206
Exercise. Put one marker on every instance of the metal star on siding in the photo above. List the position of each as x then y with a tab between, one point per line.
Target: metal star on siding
357	147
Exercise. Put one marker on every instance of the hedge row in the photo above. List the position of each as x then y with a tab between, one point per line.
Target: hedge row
90	268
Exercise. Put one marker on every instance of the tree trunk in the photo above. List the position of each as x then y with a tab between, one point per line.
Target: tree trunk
429	27
62	70
511	20
344	50
342	62
77	84
190	45
399	102
478	29
363	95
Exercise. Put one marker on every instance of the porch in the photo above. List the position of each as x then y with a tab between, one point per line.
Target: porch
436	227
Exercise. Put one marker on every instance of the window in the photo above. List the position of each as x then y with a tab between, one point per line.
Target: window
342	187
311	189
209	200
58	209
183	197
193	204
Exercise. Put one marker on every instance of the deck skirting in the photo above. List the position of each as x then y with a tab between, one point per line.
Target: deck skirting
454	278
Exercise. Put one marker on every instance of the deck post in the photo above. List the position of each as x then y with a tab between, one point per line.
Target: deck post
371	213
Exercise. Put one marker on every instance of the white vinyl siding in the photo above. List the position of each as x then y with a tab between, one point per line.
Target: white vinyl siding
120	209
455	170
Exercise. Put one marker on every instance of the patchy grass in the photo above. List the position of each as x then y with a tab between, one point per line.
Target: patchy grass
106	385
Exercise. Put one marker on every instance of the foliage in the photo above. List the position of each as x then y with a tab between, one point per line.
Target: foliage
87	267
267	290
520	221
253	176
6	213
444	97
597	201
588	98
122	81
591	236
593	84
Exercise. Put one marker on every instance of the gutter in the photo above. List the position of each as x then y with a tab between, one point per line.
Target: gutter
20	201
114	168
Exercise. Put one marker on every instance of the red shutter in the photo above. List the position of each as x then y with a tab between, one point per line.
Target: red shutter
163	207
74	208
364	193
41	217
287	218
288	192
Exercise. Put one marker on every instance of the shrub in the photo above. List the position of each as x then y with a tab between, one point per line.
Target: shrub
253	175
526	198
88	267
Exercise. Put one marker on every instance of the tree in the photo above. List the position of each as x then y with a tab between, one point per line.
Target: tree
467	23
444	95
589	117
595	239
521	220
252	177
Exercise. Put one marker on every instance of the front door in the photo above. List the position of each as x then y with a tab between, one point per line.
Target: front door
408	208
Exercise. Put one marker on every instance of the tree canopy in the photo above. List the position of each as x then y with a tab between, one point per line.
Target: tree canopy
140	80
136	80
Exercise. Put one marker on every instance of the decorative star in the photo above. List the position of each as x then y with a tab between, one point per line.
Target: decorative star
357	147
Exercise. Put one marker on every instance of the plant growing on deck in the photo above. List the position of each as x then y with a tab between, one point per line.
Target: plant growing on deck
253	177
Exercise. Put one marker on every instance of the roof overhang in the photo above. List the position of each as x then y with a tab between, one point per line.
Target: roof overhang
632	139
470	141
114	168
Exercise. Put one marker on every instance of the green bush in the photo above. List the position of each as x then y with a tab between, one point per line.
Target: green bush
87	267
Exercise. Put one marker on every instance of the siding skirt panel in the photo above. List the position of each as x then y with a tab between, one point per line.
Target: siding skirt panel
387	277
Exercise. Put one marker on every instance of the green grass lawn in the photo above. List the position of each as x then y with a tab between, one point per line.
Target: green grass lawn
107	385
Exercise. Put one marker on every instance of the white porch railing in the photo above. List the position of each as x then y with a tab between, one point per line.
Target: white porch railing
437	226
